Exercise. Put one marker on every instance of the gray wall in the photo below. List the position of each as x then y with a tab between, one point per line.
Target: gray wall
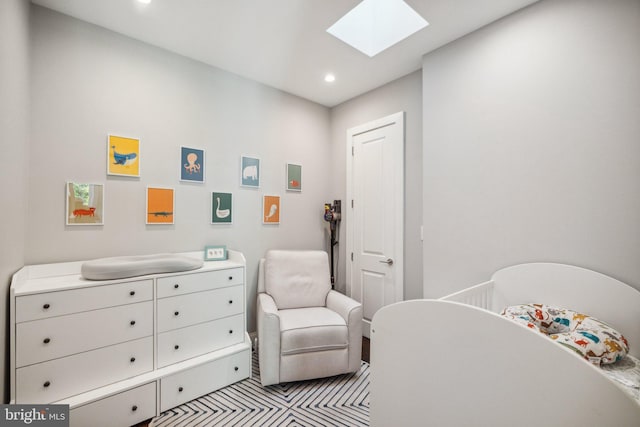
88	82
532	144
404	94
14	128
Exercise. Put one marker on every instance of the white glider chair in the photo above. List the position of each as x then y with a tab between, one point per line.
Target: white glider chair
305	329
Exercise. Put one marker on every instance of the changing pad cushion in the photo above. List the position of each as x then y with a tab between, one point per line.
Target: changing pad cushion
131	266
593	339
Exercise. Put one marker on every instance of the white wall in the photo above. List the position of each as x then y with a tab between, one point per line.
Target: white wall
532	144
14	128
88	82
404	94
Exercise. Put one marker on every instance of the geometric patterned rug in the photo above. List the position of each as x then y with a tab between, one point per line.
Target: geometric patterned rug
342	400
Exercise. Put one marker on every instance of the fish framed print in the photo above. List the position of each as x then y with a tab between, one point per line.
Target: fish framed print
85	204
221	208
271	209
249	172
160	205
294	177
191	165
123	156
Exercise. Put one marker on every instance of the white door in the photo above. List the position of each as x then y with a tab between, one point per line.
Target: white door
375	220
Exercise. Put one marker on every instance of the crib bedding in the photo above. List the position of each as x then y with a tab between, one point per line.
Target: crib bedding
625	372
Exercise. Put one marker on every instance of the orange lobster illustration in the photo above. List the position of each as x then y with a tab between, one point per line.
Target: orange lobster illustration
581	342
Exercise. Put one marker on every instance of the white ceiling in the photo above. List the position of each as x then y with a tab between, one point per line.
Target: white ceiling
284	43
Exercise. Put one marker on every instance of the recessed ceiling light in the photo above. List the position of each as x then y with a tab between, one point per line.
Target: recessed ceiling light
144	1
374	25
329	78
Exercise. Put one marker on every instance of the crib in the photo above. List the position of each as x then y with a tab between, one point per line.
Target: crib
457	362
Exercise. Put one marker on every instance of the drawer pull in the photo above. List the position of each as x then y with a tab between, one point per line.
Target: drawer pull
134	408
235	368
133	359
230	331
176	286
132	293
230	301
230	277
133	322
175	347
46	384
46	340
46	306
180	389
175	313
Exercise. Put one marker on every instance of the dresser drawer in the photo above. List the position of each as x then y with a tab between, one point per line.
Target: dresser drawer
40	306
56	379
197	282
181	344
189	309
187	385
45	339
123	409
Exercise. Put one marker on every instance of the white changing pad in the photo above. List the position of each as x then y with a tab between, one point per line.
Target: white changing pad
131	266
626	372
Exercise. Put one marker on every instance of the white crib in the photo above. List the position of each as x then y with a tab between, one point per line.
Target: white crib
457	362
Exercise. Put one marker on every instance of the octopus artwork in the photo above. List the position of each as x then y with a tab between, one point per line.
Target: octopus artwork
191	166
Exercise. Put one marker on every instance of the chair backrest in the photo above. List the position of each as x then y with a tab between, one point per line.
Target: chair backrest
297	278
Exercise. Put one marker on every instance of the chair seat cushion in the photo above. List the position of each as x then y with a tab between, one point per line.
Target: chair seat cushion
311	329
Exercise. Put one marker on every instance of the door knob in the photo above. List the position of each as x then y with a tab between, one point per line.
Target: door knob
389	261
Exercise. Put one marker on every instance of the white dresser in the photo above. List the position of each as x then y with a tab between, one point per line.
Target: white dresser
122	351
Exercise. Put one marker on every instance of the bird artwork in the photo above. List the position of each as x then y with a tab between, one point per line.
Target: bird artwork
221	213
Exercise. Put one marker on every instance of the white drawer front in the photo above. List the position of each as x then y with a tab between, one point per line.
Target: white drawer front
181	344
197	282
56	379
46	339
187	385
123	409
189	309
40	306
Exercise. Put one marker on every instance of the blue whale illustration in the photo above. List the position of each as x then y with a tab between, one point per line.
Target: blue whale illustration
123	159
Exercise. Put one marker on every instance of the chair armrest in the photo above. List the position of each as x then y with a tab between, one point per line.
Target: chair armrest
343	305
268	339
351	311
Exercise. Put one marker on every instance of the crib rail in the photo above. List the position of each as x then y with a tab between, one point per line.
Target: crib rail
478	296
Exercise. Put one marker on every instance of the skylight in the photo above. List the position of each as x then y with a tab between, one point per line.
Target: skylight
374	25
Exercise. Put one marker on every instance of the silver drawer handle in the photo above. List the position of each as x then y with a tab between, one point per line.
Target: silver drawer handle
389	261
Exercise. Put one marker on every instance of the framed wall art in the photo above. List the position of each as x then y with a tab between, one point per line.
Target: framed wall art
221	208
160	205
191	164
123	156
250	172
271	209
215	253
294	177
85	204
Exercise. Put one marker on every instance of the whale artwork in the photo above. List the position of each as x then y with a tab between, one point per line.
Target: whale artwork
271	210
123	156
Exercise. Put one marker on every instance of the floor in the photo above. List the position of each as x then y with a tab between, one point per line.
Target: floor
366	346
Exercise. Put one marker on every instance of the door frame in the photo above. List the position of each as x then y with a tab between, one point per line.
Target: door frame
397	118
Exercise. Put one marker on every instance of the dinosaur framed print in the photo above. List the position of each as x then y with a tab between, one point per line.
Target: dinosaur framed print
249	172
85	204
191	164
271	209
123	156
294	177
221	208
160	205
